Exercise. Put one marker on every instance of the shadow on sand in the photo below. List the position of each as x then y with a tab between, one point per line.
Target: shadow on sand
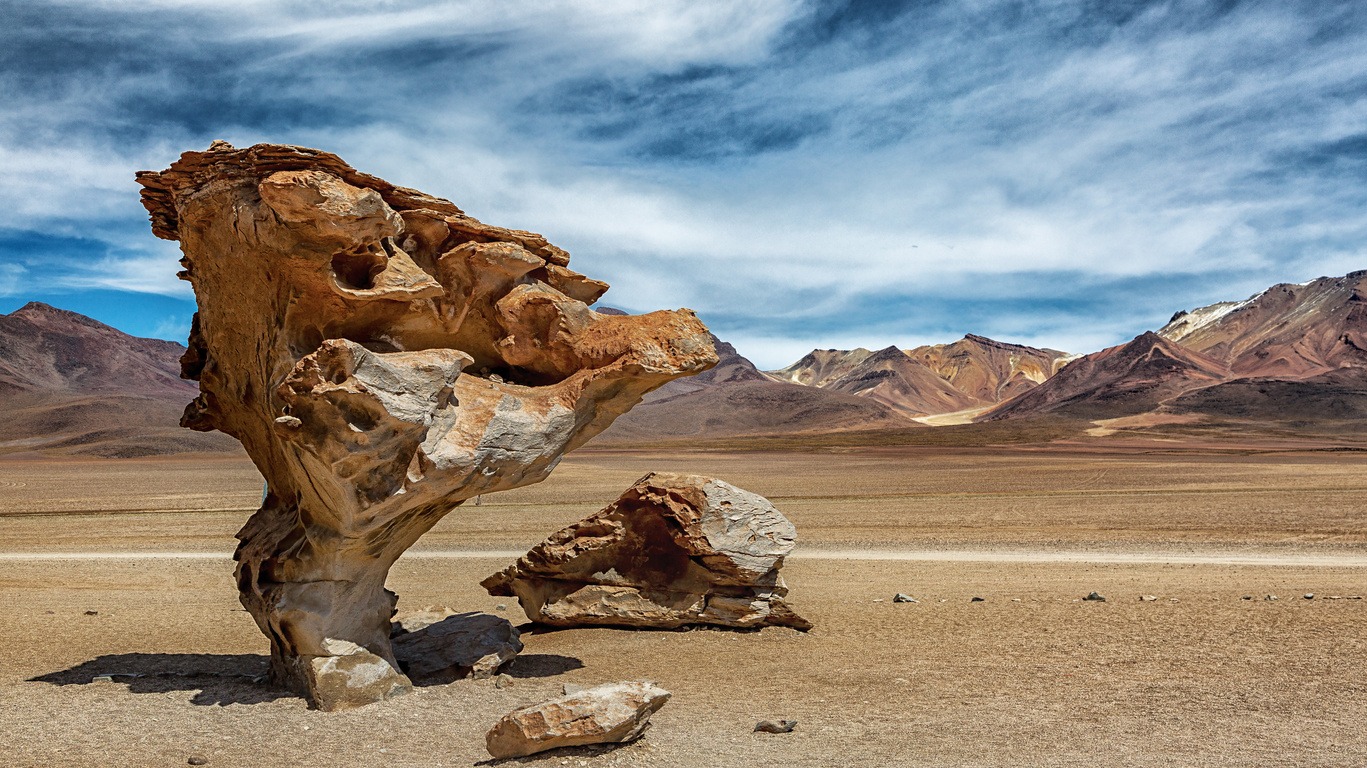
218	679
223	679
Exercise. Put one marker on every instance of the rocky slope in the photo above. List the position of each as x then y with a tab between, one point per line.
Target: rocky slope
1294	352
74	385
1126	379
974	372
987	370
1287	331
736	398
890	377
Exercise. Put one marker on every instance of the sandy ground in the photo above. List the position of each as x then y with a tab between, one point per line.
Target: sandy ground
1031	676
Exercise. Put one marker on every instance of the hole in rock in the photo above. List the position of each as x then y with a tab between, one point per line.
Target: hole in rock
357	269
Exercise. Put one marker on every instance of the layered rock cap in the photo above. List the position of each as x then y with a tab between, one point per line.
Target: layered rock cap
673	550
382	356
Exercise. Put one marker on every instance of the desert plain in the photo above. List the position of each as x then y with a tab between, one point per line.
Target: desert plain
125	643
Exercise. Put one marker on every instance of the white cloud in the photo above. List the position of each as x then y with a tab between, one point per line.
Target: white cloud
938	156
150	273
12	282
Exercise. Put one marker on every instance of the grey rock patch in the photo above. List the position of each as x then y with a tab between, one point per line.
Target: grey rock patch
775	726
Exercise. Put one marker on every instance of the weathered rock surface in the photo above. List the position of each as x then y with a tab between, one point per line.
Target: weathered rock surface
441	645
673	550
605	714
382	357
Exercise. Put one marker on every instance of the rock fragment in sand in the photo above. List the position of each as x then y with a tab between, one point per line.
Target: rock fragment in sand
1270	598
1094	597
605	714
441	645
901	597
1309	595
673	550
347	676
341	321
775	726
197	760
978	600
1148	598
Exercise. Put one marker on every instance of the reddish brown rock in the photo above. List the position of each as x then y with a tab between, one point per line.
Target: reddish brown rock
607	714
382	357
673	550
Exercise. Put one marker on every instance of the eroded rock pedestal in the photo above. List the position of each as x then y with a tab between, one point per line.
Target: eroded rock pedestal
673	550
382	357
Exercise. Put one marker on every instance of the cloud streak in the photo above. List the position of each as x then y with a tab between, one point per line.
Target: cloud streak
805	174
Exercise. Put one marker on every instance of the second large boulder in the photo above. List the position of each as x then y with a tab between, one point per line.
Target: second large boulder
673	550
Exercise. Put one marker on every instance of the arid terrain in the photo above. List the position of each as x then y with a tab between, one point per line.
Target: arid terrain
1032	675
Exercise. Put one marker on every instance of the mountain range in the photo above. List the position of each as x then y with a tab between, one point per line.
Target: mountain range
1292	354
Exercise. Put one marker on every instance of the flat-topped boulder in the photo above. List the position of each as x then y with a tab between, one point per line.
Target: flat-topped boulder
673	550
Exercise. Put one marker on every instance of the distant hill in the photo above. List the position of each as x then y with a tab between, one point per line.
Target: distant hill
972	373
74	385
990	371
736	398
1292	353
1131	378
1287	331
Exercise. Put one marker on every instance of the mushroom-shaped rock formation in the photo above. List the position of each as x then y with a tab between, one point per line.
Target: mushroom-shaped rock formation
382	357
672	550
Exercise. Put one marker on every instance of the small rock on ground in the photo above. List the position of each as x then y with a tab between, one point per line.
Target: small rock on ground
197	760
605	714
978	600
775	726
902	597
1095	597
1149	598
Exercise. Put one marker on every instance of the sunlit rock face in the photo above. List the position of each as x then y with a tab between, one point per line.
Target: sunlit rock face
382	357
673	550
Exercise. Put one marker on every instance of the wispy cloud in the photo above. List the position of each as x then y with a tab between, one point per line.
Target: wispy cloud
804	174
11	279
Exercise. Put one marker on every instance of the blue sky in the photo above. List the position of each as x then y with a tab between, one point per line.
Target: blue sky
804	174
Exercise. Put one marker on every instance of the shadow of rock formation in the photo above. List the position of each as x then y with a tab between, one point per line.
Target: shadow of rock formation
218	679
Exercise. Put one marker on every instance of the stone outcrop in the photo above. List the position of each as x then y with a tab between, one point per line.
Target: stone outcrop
382	357
673	550
606	714
441	645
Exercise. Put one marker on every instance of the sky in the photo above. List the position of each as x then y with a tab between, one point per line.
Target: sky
1060	173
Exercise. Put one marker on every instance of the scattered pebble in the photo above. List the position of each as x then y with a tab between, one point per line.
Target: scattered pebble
197	760
1015	599
978	600
503	681
102	679
1270	598
1334	597
879	600
1246	597
1309	595
92	613
501	607
775	726
902	597
1095	597
1353	597
1148	598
